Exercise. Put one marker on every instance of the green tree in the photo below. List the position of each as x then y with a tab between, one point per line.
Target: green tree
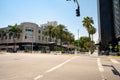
59	32
90	46
92	31
82	41
65	35
49	31
68	38
14	31
56	33
61	28
87	22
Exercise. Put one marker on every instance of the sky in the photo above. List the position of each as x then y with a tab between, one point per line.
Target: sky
42	11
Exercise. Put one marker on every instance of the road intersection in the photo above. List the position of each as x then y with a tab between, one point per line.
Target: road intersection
58	67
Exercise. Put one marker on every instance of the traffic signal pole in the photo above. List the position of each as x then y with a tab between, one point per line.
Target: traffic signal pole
78	7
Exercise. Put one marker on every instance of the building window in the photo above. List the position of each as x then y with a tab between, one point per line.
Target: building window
9	36
29	33
38	37
42	38
39	31
25	37
29	30
18	36
5	37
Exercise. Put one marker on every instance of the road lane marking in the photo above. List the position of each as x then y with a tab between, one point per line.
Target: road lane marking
54	68
101	69
114	61
60	65
38	77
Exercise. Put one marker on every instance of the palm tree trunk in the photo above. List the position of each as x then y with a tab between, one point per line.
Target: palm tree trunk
92	37
89	36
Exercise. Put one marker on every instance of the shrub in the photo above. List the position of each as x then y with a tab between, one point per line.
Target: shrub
118	53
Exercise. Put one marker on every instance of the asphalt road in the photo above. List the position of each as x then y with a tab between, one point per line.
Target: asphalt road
58	67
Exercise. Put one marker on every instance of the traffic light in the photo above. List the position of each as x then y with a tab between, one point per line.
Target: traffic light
78	11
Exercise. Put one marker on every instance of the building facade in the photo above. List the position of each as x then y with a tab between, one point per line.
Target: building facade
31	38
116	11
109	24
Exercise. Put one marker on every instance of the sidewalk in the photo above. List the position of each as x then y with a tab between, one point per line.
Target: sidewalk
95	53
117	57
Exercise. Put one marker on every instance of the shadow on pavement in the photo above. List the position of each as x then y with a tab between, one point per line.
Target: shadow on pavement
114	70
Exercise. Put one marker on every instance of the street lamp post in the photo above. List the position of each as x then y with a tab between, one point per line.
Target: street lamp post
78	40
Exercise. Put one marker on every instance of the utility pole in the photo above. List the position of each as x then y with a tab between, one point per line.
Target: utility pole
78	40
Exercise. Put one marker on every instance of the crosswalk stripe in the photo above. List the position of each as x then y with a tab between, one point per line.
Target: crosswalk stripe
114	61
100	65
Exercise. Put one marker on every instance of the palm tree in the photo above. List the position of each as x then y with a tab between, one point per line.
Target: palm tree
61	28
49	31
87	22
92	30
15	32
69	37
55	33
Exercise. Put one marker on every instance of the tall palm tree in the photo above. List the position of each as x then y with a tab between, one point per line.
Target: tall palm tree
87	22
69	37
61	28
15	32
55	33
92	30
65	35
49	31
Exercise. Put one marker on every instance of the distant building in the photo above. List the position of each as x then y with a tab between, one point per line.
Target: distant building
53	23
109	23
31	38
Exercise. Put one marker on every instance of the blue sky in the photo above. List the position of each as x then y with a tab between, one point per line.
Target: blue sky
41	11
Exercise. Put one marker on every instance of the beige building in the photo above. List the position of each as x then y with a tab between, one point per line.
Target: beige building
31	38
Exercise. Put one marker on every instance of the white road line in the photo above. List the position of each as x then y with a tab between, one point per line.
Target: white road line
54	68
114	61
60	65
38	77
101	69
